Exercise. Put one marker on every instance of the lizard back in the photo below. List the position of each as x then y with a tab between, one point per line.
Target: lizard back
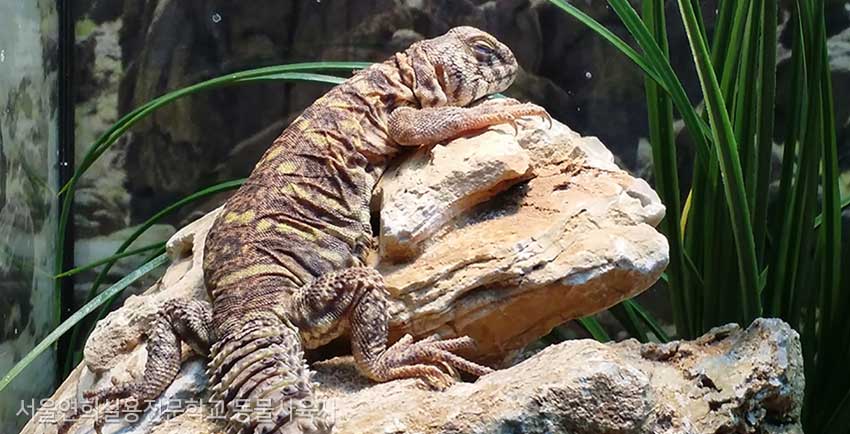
304	210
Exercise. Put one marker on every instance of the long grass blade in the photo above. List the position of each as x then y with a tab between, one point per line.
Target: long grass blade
107	259
653	64
612	38
730	166
664	159
656	57
594	328
648	319
764	138
628	318
783	227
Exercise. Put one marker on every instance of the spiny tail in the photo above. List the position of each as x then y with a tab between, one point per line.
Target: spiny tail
261	382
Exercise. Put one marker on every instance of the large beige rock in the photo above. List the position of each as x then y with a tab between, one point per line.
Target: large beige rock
436	184
542	228
576	238
727	381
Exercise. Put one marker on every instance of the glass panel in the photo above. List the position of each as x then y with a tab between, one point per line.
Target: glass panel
28	209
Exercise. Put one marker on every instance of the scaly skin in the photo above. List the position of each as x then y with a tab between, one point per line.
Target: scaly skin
285	261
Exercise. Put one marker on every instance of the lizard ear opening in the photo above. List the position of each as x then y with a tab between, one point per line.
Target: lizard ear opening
441	76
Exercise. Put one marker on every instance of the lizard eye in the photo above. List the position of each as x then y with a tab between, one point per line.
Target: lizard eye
483	48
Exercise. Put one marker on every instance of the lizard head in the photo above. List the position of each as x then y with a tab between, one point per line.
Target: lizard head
470	64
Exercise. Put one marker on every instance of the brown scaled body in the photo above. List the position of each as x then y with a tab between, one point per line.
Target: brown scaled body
285	261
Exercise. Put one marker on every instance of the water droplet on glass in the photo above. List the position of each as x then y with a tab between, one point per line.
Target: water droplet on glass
216	18
2	55
588	75
578	109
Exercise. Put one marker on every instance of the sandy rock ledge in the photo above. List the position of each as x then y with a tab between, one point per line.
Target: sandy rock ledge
727	381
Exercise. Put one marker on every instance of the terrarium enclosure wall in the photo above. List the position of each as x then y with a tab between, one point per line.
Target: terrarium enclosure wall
124	53
29	174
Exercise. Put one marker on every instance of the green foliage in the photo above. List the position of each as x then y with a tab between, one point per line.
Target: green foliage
736	251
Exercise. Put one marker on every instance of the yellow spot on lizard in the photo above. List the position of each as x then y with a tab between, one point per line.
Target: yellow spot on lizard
272	153
308	235
255	270
287	168
244	218
263	225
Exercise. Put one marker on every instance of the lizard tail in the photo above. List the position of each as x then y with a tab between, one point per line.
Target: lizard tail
260	381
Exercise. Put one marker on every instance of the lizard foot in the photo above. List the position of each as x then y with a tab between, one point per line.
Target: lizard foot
406	359
177	320
508	110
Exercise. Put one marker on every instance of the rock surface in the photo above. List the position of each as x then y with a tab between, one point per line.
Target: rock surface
545	229
574	239
727	381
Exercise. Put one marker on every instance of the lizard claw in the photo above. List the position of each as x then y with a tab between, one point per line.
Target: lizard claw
526	109
406	359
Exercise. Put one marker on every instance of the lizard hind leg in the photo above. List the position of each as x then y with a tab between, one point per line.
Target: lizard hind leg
261	383
177	320
359	295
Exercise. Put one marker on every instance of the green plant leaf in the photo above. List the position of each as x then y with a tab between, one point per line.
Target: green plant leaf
77	316
628	318
594	328
653	65
648	319
665	168
112	258
730	166
764	137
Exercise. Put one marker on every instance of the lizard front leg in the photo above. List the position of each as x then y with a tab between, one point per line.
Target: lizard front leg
358	295
413	127
177	320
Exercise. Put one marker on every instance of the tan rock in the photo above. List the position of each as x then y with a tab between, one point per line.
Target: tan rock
729	380
575	239
438	183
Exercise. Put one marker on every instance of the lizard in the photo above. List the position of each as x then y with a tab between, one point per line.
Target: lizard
285	262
